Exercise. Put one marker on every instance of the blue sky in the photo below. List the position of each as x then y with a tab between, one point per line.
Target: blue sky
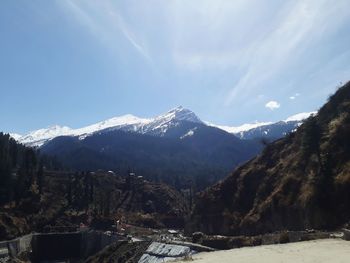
74	63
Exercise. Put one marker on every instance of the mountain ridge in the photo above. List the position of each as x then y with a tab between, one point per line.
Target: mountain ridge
186	151
157	126
272	130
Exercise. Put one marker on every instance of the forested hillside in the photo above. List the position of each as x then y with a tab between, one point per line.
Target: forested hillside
299	182
21	169
36	196
198	159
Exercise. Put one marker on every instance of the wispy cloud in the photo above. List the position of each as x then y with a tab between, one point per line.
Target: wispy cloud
252	46
299	23
272	105
128	33
104	22
80	14
215	39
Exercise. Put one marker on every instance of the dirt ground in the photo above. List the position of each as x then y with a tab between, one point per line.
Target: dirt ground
316	251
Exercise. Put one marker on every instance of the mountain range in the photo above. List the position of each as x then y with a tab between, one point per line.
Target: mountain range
172	150
161	126
176	148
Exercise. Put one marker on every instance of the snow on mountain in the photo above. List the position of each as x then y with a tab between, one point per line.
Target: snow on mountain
180	114
158	126
241	128
39	137
189	133
238	130
116	122
155	126
161	124
15	136
300	116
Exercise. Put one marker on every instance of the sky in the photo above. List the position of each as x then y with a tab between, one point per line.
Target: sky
77	62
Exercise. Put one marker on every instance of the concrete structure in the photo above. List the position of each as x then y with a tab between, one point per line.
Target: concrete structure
57	246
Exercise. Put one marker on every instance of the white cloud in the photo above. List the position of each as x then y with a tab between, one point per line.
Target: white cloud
272	105
294	96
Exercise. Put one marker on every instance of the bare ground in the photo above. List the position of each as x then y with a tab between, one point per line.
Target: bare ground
316	251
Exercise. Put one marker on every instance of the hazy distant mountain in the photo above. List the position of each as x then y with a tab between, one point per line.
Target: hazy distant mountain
267	130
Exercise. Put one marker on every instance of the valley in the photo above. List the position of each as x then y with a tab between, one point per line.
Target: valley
176	148
174	131
142	181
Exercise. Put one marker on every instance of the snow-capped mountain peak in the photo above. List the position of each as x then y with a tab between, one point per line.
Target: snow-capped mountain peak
49	132
161	124
42	135
156	126
179	114
39	137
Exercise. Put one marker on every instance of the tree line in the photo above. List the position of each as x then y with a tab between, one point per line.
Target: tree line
21	170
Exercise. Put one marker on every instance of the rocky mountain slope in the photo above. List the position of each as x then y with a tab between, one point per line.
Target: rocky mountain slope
298	182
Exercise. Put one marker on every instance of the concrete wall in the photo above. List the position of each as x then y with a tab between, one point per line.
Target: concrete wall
94	241
61	246
58	246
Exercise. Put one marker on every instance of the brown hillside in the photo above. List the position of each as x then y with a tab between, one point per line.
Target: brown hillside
301	181
95	199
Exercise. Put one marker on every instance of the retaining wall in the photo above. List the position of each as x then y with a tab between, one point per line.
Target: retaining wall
57	246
